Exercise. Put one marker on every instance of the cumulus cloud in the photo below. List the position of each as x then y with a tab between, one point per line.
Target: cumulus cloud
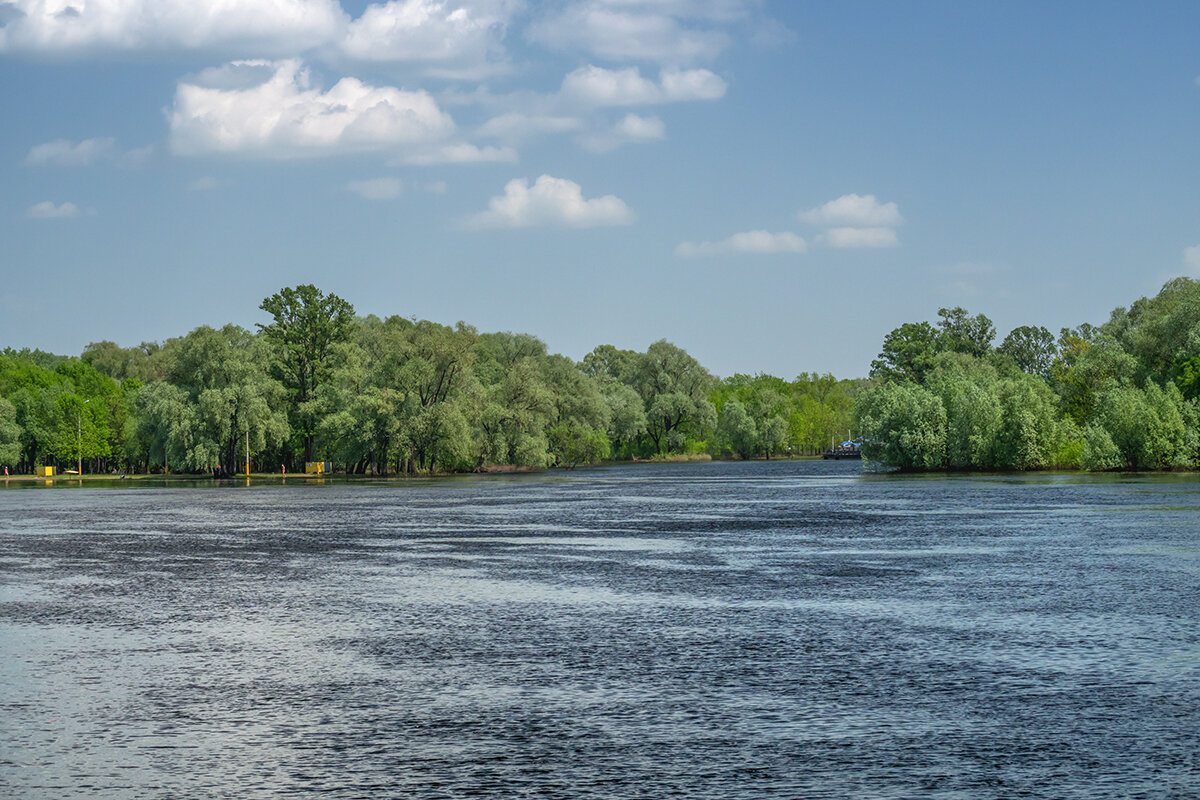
377	188
550	202
631	129
641	30
65	153
462	36
62	27
856	211
597	86
48	210
270	109
751	242
1191	257
860	237
856	221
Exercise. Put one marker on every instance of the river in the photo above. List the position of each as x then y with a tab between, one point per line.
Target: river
725	630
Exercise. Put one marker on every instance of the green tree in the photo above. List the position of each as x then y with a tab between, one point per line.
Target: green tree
959	332
1099	451
626	414
903	425
80	429
1028	434
10	434
606	362
579	414
907	353
307	324
737	431
216	395
674	387
1032	348
122	363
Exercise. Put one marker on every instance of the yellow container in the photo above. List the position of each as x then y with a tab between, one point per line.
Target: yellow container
314	467
44	472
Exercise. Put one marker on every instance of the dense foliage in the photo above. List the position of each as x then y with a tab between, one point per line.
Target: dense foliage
1119	396
391	395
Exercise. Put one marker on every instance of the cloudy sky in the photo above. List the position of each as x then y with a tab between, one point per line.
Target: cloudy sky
772	185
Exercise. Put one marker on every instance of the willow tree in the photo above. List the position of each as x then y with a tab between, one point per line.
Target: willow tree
674	387
215	399
10	434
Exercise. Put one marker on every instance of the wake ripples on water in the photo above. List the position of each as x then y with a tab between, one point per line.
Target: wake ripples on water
791	629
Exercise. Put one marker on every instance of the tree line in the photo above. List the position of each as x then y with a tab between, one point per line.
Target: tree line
387	396
1122	395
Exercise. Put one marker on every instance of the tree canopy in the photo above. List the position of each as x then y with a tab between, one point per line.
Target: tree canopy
1122	395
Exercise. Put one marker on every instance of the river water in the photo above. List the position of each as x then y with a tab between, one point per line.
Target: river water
745	630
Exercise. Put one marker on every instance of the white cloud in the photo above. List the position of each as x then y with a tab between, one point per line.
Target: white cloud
516	125
64	153
136	157
464	35
550	202
457	153
631	129
269	109
48	210
377	188
641	30
63	27
1191	257
751	242
860	237
596	86
855	211
856	221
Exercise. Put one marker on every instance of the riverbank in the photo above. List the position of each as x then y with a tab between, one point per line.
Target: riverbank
489	469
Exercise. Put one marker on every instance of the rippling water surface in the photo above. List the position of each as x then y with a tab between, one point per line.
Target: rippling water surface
740	630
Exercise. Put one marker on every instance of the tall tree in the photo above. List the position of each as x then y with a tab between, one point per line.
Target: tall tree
962	333
674	387
1032	348
307	324
907	352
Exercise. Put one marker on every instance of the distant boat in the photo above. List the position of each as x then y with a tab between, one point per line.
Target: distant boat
844	450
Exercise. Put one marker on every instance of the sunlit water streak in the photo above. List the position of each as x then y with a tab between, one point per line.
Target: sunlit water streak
711	630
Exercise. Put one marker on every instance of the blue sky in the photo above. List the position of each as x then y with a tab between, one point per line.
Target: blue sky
771	185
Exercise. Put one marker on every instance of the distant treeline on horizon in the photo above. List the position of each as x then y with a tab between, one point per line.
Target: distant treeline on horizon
396	395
